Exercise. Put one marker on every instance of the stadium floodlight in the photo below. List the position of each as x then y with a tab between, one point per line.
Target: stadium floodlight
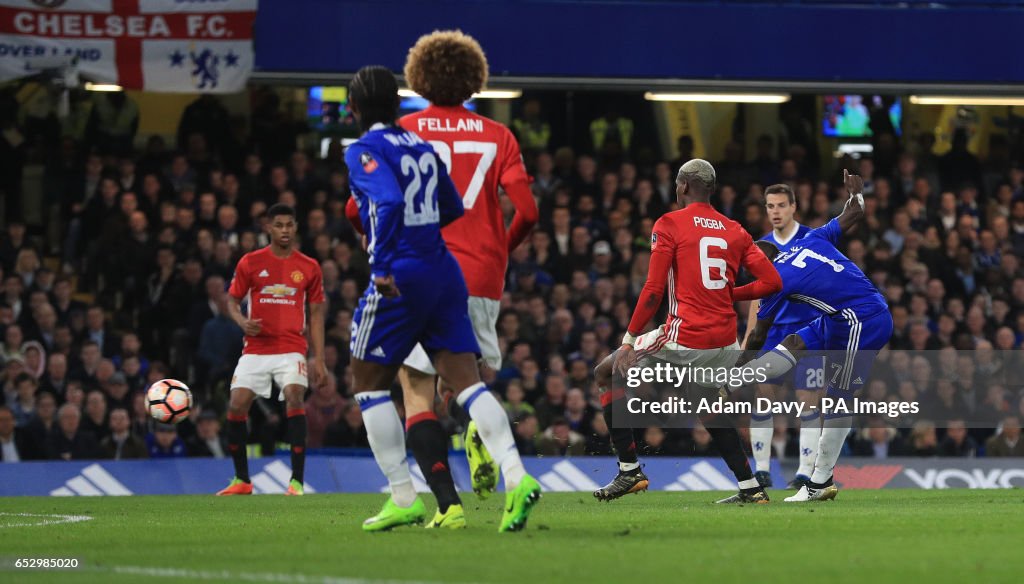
102	87
485	94
720	97
965	100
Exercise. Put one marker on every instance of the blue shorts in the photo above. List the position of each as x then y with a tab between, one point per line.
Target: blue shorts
809	373
851	342
432	309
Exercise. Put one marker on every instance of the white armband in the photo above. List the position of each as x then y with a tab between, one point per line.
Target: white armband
628	339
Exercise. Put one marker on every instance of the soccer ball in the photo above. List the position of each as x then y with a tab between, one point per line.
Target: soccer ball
169	401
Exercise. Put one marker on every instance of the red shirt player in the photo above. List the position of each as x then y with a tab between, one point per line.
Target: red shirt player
447	68
277	282
482	157
277	289
697	252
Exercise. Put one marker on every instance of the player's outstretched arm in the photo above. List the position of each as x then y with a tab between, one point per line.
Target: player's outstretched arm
853	212
768	280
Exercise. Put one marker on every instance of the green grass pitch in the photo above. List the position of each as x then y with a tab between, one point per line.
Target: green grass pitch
863	536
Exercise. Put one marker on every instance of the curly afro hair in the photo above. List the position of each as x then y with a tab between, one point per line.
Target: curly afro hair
446	67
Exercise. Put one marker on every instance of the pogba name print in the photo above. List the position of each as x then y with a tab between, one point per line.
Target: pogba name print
708	223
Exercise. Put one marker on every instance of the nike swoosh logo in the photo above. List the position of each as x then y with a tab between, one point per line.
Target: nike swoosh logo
509	508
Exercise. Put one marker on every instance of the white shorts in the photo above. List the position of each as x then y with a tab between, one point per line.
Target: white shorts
656	345
483	312
258	372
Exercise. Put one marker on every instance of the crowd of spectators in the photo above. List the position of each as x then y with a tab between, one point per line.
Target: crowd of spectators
135	290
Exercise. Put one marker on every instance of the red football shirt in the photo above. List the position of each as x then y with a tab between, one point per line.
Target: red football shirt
277	290
481	155
698	252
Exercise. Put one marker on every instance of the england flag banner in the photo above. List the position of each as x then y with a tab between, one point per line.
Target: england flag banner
184	46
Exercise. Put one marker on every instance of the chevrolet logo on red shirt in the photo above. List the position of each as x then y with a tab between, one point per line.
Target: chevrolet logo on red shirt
278	291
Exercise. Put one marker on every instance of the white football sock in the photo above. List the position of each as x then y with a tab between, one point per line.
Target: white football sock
762	427
830	444
492	423
810	433
774	363
387	440
748	484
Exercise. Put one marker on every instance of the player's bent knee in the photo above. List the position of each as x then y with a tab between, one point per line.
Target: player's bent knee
416	383
794	342
368	376
241	400
293	394
415	375
457	369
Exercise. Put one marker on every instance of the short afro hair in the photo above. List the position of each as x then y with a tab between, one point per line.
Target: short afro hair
446	67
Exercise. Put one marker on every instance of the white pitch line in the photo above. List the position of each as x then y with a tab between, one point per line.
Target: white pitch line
243	576
59	519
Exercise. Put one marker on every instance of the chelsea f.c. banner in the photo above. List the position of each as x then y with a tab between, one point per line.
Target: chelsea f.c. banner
153	45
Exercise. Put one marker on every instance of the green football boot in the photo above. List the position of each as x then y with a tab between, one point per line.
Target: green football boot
391	515
518	504
482	470
453	518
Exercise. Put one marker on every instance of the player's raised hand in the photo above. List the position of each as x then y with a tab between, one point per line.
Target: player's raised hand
251	327
386	286
625	357
855	186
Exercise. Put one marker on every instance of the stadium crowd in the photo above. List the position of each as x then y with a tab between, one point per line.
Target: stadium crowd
135	291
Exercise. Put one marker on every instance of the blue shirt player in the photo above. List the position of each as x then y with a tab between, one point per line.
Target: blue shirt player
417	294
809	373
852	324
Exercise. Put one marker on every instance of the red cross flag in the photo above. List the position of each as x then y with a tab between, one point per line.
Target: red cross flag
154	45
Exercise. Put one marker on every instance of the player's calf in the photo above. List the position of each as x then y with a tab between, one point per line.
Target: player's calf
238	437
621	435
387	439
460	371
810	434
727	439
429	446
296	411
762	430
